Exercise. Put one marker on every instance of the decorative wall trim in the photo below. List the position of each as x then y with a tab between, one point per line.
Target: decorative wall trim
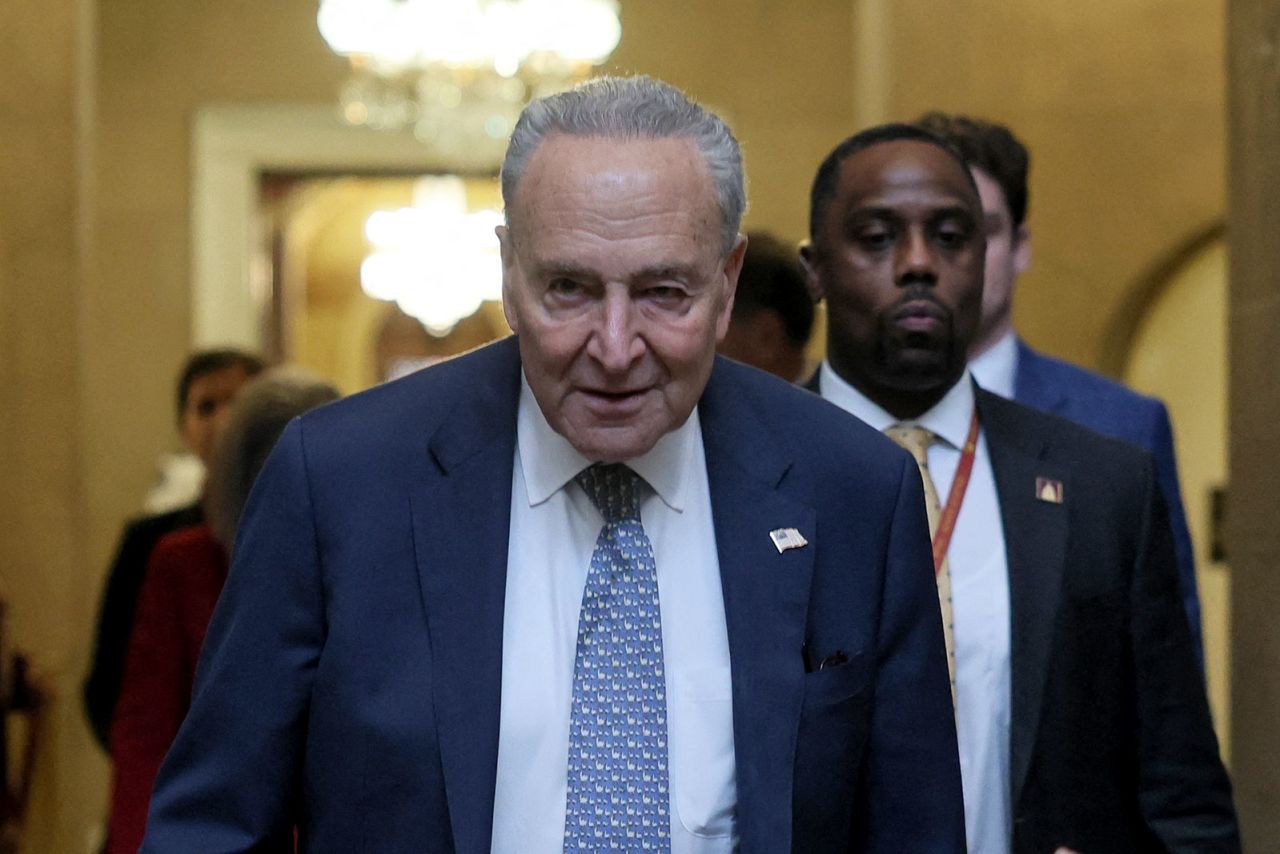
1123	326
231	147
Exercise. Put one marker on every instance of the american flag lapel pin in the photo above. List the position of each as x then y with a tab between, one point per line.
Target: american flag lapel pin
1048	489
787	538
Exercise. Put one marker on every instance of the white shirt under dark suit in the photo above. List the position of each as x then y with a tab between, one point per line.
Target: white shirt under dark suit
554	528
980	605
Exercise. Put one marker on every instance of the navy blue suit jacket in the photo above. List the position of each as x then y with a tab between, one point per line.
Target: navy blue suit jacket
350	684
1112	409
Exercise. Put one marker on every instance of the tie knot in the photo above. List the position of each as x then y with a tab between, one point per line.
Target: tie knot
915	439
614	489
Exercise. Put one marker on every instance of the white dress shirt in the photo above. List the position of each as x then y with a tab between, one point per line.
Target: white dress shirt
980	606
554	527
996	369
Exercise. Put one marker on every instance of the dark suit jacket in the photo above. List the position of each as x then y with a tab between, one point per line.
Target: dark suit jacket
1111	409
351	678
1111	748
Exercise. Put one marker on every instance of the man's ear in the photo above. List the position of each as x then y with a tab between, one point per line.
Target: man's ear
732	269
1021	249
812	279
509	271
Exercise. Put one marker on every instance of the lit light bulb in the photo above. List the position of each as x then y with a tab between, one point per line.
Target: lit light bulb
457	72
588	32
435	260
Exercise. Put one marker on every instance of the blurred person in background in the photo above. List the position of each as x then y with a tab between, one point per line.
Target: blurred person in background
207	384
1002	363
772	310
183	579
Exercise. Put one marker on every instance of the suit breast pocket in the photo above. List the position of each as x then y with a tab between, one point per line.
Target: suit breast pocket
834	685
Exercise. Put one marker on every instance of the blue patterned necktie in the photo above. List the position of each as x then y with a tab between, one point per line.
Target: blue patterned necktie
618	797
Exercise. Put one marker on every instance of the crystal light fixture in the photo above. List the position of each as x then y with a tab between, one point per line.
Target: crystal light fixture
459	71
438	259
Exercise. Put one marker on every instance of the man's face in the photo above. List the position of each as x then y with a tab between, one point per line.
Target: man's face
615	280
1008	256
205	412
898	258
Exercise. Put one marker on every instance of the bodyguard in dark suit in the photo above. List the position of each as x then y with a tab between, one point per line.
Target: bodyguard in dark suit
589	588
1082	719
1002	363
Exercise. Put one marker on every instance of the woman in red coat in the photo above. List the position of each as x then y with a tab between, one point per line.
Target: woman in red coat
185	575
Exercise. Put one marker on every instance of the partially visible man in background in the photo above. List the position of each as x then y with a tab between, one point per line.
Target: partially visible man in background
772	311
209	380
1002	363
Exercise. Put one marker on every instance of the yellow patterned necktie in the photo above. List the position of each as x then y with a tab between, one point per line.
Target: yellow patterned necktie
916	440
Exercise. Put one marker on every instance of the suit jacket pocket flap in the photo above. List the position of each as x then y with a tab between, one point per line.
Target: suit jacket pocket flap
833	685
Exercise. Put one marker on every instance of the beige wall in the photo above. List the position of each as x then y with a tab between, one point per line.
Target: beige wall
781	73
42	554
158	63
1179	354
1254	415
1121	105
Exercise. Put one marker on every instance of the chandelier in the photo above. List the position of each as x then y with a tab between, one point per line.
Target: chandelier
458	72
438	259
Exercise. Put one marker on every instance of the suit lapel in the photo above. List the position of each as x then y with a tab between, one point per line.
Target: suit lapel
1035	534
766	598
466	477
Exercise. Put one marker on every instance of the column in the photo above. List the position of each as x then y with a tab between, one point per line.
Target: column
1253	103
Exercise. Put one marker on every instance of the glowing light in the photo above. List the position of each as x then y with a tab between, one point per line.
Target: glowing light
416	62
436	260
472	33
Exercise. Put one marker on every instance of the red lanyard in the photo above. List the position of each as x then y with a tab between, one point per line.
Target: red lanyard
947	523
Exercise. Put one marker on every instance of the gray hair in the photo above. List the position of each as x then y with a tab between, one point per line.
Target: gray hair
255	421
631	108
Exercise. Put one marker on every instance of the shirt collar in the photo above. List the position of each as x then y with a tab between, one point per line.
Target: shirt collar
549	462
948	419
997	366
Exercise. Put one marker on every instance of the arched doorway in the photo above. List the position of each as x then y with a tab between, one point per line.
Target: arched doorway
1177	351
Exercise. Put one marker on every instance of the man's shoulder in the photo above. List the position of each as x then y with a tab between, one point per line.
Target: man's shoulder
1011	425
809	428
408	410
1084	389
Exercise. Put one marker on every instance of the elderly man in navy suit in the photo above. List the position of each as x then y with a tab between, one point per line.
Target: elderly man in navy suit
1002	363
1083	724
589	588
